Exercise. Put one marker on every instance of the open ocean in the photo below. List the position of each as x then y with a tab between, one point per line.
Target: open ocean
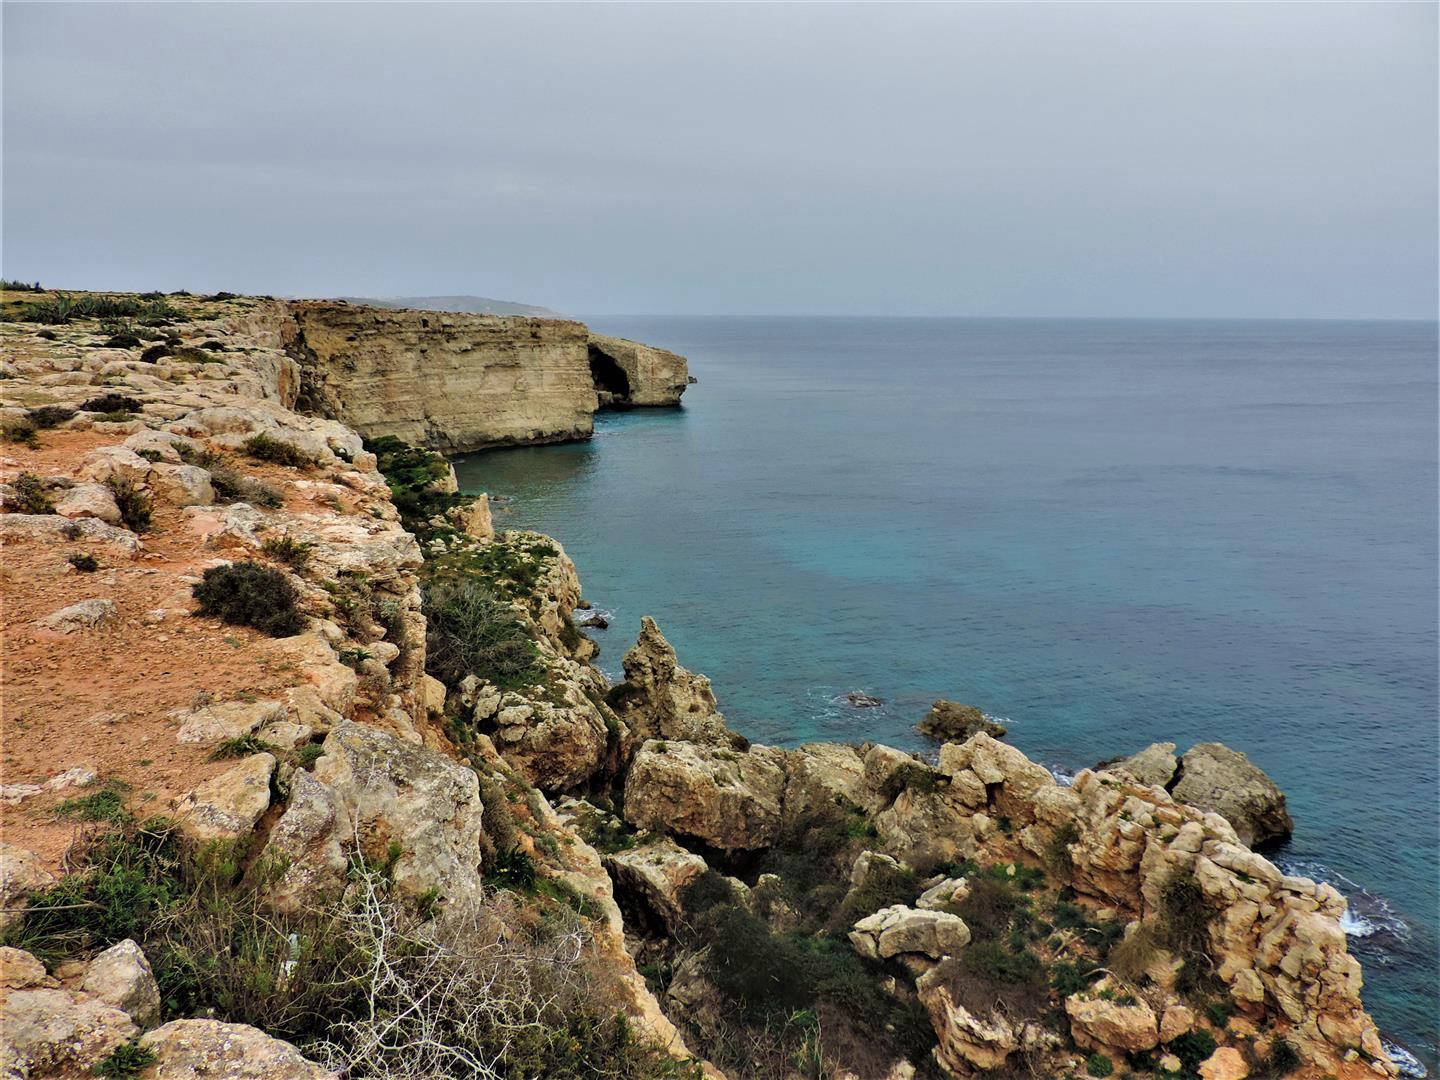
1105	532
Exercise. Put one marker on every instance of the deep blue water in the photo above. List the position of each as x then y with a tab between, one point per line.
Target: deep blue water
1107	532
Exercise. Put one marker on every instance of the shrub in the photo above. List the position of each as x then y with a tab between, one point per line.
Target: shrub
106	803
19	286
239	747
1282	1060
231	487
200	456
134	502
512	869
990	907
1098	1064
155	353
127	878
1134	956
49	416
262	447
30	497
249	594
85	564
1219	1013
470	631
1057	851
23	432
112	403
286	549
1192	1048
126	1060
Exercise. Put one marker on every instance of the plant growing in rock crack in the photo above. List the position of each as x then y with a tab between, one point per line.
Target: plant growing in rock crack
30	497
249	594
286	549
471	631
126	1060
134	502
231	486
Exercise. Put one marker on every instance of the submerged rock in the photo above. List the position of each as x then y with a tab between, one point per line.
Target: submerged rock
953	722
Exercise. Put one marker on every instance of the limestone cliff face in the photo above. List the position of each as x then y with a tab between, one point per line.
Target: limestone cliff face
453	382
458	382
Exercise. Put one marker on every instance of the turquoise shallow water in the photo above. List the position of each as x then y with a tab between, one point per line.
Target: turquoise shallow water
1106	532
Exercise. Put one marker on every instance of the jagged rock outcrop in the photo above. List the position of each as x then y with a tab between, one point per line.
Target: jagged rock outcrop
227	807
121	976
1214	777
972	1040
628	374
659	699
46	1030
21	873
949	720
726	798
389	791
655	876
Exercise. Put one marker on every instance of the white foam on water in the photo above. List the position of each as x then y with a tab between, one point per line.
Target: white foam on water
1406	1062
1366	914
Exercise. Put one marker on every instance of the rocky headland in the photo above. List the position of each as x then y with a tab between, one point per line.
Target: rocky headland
309	772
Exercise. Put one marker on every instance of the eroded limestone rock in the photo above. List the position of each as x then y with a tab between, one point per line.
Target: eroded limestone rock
121	976
196	1049
952	722
727	798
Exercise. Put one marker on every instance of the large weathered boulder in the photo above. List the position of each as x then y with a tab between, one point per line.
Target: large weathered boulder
226	720
727	798
1213	777
89	501
824	777
308	843
228	806
1154	766
121	976
205	1049
654	876
47	1032
86	615
406	805
21	873
659	699
952	722
901	929
556	745
972	1040
1116	1022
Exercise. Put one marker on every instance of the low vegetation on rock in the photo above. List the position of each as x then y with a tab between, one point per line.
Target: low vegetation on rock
249	594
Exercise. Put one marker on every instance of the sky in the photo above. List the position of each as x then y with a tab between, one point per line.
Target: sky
1146	159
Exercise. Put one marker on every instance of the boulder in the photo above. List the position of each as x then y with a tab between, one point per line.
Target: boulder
655	876
86	615
823	777
474	519
307	842
52	528
121	976
89	501
944	894
182	485
227	807
390	791
1226	1063
210	724
659	699
46	1031
1154	766
556	746
950	721
22	872
196	1049
900	929
971	1041
1098	1023
726	798
1215	778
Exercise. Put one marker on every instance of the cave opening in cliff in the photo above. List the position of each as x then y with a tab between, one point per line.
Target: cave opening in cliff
611	382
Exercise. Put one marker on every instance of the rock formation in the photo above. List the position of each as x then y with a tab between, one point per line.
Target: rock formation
628	374
951	721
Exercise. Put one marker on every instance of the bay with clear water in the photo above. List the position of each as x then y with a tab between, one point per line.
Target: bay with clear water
1107	533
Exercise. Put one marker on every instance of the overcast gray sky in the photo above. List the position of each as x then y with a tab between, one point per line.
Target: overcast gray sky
1078	159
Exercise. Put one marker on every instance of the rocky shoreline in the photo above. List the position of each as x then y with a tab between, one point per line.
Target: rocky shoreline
286	665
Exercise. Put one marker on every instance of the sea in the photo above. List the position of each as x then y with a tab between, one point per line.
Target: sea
1105	533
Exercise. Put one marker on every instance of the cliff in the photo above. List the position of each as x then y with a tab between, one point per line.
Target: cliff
266	684
459	382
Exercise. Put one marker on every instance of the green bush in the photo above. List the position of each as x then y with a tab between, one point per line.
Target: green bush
23	432
85	564
49	416
105	803
1282	1060
512	869
30	497
262	447
990	907
412	474
248	594
470	631
112	403
1099	1065
1192	1048
240	747
1057	851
